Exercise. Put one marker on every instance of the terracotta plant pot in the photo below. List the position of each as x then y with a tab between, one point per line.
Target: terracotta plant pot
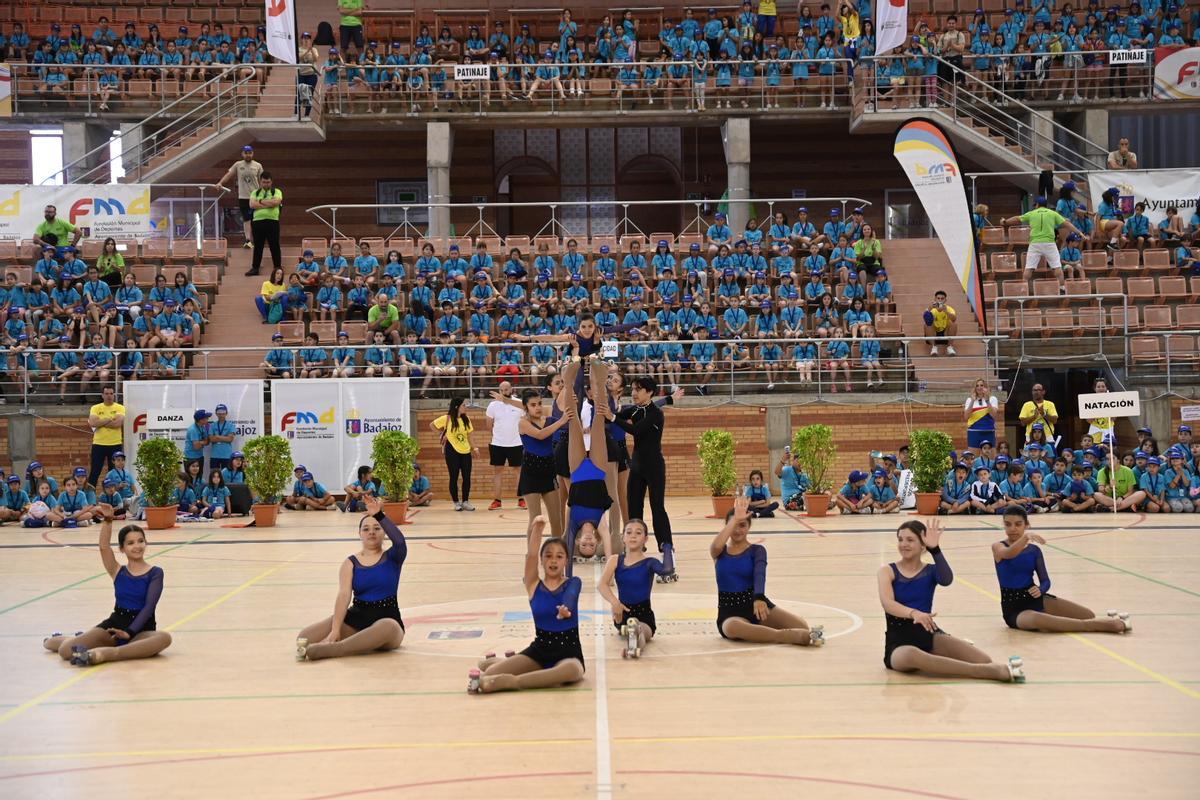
159	518
927	503
722	505
265	514
397	512
816	505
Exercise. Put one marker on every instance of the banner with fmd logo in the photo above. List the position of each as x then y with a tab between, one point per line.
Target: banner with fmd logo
107	209
331	424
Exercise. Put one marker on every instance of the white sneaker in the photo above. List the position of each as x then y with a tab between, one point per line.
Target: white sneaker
933	351
770	387
950	351
467	506
457	505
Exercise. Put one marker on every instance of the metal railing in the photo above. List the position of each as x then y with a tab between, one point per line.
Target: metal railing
558	224
1037	138
1073	77
587	87
1084	174
233	95
1018	320
726	381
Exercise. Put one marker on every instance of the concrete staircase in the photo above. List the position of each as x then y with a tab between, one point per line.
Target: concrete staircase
234	321
917	268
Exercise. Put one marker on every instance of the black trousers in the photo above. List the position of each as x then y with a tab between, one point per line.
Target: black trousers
101	457
351	33
652	476
265	232
458	463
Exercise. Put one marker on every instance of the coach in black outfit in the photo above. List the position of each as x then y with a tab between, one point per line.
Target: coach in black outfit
647	467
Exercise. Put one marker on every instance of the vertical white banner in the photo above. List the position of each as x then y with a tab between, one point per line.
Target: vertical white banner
891	25
331	424
243	398
371	405
281	30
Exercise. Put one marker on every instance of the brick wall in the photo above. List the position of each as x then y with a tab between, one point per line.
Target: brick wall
858	429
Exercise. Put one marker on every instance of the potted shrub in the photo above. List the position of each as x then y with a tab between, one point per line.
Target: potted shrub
929	459
394	454
157	465
715	449
813	445
268	470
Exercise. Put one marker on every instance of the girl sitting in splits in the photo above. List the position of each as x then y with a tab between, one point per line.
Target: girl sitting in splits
913	640
555	657
593	475
1028	607
130	631
743	610
373	622
634	573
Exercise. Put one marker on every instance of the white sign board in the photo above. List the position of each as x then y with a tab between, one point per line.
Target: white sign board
1189	413
471	72
169	419
1109	404
1138	56
331	424
608	348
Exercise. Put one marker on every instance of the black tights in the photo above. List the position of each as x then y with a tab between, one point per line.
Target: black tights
652	477
457	463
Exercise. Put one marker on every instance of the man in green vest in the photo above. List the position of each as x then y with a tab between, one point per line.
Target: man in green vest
265	202
1043	225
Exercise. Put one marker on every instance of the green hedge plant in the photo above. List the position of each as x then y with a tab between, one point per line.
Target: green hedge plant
929	458
814	446
715	449
268	467
157	465
394	454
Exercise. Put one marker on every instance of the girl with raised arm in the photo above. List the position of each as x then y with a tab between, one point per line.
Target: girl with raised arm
555	657
371	577
743	610
913	641
130	631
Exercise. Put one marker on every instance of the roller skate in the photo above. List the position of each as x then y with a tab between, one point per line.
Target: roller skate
302	649
80	657
1123	616
668	577
474	681
816	636
629	630
1016	669
51	636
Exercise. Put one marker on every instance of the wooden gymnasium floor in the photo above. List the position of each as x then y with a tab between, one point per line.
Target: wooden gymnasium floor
227	712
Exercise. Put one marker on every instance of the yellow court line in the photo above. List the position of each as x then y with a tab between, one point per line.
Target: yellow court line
74	679
487	743
1129	662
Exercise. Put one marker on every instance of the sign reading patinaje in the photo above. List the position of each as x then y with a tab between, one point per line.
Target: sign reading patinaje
1109	404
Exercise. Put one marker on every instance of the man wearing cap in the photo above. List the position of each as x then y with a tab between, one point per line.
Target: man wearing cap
1043	223
54	231
220	439
306	72
247	173
196	439
265	201
107	420
1039	409
350	26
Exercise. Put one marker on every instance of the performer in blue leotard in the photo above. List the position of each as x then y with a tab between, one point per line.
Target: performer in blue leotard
131	630
372	576
634	573
555	657
1032	608
912	640
743	610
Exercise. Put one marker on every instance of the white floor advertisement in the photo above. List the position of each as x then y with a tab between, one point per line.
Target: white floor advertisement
331	424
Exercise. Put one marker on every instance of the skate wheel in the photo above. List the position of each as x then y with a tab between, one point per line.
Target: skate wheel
1112	612
509	653
473	682
1016	661
624	654
489	655
637	653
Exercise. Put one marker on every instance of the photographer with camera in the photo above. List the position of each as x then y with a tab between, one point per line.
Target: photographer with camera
941	321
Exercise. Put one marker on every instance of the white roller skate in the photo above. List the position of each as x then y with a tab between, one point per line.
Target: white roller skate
629	630
301	649
669	577
474	678
1123	616
1016	669
51	636
816	636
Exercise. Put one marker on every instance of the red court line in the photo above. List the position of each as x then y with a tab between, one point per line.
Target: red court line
447	781
803	521
803	778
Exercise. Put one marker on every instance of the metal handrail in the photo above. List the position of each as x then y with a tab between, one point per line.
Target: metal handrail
1021	300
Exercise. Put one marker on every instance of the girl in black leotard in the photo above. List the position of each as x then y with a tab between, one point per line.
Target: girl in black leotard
131	630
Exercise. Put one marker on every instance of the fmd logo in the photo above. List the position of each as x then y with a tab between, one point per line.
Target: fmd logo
108	207
945	168
306	418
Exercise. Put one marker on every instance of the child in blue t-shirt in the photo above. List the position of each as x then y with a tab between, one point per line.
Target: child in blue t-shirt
793	483
214	500
853	497
420	493
759	493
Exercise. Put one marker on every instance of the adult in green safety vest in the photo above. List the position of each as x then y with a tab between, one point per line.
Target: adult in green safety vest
265	202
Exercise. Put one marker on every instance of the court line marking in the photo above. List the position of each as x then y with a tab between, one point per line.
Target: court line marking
799	778
1129	662
603	734
1123	570
97	575
445	781
84	673
285	750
